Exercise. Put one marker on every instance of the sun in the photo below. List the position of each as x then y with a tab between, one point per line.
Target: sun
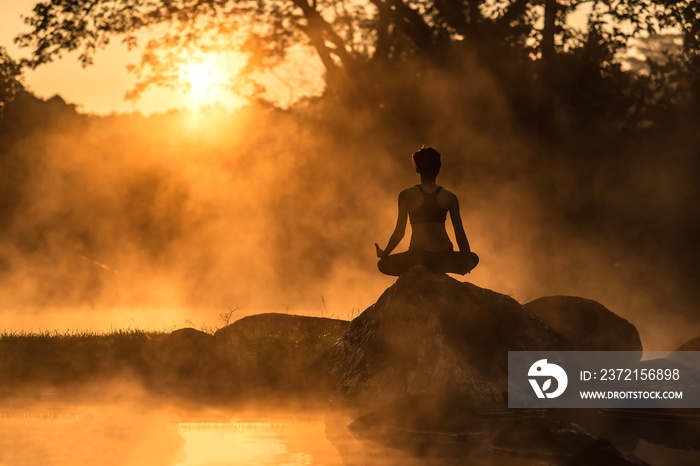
203	78
208	80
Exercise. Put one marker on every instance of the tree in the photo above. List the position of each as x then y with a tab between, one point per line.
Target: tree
525	43
10	75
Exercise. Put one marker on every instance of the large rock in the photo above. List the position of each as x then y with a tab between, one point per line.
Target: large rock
585	324
431	333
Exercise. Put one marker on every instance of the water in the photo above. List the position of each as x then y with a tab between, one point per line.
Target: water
121	435
260	440
135	433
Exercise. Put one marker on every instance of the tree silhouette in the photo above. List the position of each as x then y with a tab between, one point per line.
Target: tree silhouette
10	74
353	40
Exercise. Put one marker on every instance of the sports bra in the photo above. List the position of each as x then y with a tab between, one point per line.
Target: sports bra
429	211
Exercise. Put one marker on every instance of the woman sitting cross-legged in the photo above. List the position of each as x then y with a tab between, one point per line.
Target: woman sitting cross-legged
427	205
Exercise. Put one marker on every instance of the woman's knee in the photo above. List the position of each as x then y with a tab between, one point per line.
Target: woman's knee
474	259
465	263
382	266
387	267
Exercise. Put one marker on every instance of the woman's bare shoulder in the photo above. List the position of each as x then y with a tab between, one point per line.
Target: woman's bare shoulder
447	193
447	197
409	192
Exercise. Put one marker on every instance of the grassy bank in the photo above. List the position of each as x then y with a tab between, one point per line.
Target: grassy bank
267	353
63	359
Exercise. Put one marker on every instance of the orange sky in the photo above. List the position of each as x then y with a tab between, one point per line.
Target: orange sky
99	88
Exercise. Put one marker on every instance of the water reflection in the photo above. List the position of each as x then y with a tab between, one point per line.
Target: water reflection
151	434
93	436
223	443
115	434
258	439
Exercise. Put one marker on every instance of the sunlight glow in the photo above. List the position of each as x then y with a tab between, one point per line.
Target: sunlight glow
203	77
209	79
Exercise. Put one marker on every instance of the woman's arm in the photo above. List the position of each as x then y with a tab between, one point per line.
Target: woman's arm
399	229
460	235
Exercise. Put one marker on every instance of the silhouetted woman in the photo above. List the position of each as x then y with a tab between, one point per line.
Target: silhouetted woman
426	205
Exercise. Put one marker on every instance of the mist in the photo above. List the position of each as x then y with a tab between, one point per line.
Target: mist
117	422
162	221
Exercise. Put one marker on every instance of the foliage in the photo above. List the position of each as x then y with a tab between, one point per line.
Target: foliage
355	41
10	76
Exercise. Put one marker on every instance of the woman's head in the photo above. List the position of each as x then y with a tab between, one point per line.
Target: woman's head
427	161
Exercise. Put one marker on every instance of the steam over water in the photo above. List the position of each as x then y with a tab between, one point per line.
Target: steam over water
105	435
128	434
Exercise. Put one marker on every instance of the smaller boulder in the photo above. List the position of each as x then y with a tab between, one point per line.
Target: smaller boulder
690	345
283	351
187	359
586	325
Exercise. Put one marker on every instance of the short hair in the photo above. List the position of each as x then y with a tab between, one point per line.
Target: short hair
427	161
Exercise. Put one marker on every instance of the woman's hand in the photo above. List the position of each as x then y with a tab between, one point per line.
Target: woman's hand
380	252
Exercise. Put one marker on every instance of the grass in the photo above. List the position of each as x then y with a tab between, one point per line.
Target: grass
51	357
274	352
74	334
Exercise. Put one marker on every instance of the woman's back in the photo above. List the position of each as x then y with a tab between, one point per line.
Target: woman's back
427	210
